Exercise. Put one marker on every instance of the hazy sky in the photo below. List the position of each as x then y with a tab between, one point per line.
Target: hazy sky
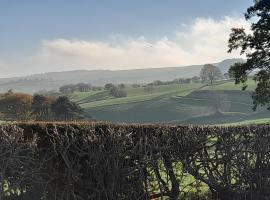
55	35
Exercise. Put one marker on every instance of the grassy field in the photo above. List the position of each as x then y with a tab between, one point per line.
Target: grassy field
186	104
135	95
250	122
229	85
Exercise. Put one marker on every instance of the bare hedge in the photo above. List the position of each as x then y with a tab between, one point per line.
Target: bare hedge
81	161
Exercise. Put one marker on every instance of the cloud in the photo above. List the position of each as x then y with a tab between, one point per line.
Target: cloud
5	69
203	41
208	36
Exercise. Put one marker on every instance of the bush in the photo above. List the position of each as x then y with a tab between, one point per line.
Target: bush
107	161
109	86
121	86
136	85
114	91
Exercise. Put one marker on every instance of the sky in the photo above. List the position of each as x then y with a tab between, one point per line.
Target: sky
39	36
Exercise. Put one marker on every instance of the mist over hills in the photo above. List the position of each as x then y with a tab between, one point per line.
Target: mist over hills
53	80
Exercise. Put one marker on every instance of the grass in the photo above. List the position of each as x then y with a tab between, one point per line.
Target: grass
135	95
179	109
81	97
249	122
230	85
181	104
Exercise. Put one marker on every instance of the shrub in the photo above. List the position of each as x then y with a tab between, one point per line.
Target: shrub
114	91
136	85
109	86
107	161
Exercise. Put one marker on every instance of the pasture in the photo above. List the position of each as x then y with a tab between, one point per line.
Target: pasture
220	103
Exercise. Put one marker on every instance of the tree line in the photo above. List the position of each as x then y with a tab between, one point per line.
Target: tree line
21	106
80	87
116	91
209	73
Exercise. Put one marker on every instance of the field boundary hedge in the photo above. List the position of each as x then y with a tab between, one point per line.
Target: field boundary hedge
81	161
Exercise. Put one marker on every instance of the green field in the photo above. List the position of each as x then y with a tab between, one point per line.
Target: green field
229	85
136	95
222	103
250	122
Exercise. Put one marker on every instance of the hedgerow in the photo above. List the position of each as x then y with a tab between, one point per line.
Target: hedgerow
80	161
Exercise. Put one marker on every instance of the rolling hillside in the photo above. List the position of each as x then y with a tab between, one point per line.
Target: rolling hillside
54	80
185	104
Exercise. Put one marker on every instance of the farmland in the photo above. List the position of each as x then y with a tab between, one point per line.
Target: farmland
193	103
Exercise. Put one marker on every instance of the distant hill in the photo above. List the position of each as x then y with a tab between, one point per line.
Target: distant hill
225	64
53	80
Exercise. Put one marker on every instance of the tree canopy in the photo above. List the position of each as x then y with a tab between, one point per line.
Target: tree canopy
16	105
41	107
21	106
209	73
255	45
65	109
